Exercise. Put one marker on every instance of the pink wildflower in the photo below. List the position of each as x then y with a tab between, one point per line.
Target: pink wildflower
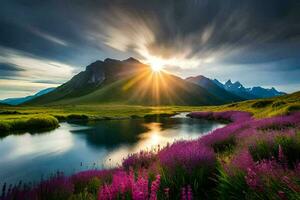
154	188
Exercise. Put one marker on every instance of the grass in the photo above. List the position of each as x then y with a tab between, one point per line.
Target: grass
36	123
259	108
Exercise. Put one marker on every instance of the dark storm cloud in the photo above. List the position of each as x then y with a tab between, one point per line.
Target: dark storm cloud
188	33
9	71
203	26
60	29
10	67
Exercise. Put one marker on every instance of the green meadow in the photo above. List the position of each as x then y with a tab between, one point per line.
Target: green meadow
24	118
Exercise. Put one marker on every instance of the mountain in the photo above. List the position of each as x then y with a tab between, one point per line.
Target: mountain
265	93
95	76
214	88
17	101
238	89
248	93
131	82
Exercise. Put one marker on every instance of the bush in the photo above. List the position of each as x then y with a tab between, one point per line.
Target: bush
135	117
293	108
8	112
77	117
263	150
60	117
38	123
90	179
224	145
42	123
261	104
290	147
88	189
232	105
278	104
4	126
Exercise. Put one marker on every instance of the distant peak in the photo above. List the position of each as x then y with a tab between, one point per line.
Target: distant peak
200	76
228	82
237	83
131	59
196	77
110	60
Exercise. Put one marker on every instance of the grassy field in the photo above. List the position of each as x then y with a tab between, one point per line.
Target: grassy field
263	107
12	116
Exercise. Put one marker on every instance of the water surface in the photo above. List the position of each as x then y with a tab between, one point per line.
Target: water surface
73	147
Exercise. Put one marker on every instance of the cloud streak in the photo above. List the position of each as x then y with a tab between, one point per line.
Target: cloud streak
216	38
30	73
48	37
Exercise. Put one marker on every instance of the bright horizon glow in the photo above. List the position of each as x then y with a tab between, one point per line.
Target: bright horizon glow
156	68
156	64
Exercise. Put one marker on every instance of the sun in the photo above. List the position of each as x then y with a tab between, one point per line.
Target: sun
156	68
156	65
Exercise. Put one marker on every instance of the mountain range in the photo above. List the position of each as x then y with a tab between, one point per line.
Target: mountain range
18	101
249	93
132	82
236	88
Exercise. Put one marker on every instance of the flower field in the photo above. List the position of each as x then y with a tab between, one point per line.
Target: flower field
247	159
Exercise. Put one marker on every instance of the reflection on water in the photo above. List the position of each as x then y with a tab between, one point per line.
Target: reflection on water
72	147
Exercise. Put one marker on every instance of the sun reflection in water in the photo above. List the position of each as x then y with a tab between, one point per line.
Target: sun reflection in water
148	141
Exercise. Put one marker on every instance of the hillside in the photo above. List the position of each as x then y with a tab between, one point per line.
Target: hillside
95	76
269	107
148	89
130	82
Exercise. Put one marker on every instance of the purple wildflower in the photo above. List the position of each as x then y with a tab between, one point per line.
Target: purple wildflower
143	159
187	155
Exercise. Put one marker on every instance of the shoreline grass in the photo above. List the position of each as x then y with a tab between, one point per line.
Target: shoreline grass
36	124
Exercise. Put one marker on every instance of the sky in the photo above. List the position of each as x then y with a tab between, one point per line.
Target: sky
44	43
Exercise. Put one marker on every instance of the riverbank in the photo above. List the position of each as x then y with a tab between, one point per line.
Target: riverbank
22	119
9	115
247	159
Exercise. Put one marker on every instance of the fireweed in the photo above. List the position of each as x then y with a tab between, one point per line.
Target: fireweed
143	159
187	163
125	185
247	159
